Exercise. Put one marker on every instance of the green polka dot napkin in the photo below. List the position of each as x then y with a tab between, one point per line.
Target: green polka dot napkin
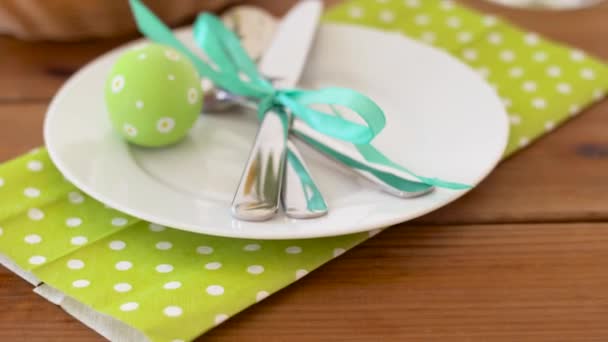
132	280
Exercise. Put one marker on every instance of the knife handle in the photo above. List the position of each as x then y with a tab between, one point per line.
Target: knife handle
300	196
258	192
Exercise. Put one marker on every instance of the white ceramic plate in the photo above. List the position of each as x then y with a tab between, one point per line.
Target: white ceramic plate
443	120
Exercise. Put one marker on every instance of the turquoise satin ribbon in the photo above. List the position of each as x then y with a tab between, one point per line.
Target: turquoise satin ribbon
229	67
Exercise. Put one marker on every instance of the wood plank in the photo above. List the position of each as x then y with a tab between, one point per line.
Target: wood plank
560	178
25	316
35	71
458	283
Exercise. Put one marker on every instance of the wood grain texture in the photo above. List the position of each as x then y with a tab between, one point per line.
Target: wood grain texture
515	260
447	283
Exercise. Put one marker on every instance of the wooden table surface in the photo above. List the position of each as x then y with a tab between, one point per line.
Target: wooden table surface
524	257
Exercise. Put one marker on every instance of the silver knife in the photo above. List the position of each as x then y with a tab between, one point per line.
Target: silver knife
257	196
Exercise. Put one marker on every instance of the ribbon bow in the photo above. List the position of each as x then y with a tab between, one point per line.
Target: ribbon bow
228	66
231	68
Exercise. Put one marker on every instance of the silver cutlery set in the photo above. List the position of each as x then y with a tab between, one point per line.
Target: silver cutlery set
275	174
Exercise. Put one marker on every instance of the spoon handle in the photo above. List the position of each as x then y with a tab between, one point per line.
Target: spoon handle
258	192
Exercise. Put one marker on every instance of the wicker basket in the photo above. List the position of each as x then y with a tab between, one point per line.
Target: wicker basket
81	19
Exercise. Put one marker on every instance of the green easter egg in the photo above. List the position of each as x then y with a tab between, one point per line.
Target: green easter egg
153	95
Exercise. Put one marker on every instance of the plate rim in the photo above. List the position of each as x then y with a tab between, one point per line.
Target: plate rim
262	234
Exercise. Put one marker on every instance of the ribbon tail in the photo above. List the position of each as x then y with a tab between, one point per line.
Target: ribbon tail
372	154
395	181
153	28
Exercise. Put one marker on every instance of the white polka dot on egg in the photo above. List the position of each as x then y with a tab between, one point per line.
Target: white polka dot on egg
118	83
172	55
192	95
129	129
165	125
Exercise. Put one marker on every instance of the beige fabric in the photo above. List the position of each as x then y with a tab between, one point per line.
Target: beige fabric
81	19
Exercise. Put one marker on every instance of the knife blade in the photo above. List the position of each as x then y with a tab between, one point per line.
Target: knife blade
257	195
